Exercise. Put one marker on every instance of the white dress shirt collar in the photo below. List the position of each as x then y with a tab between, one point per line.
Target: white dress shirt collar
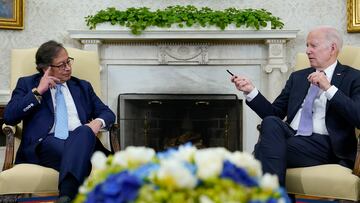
329	71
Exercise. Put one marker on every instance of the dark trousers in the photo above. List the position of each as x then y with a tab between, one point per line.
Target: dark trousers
71	156
278	148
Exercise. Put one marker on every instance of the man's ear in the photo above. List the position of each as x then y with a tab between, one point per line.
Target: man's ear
334	48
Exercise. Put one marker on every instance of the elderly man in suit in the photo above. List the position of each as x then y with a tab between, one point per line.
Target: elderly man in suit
61	117
317	130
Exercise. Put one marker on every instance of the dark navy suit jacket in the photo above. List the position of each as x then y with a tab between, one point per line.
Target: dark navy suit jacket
38	118
342	111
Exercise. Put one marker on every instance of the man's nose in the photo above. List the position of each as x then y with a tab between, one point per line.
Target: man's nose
308	51
67	66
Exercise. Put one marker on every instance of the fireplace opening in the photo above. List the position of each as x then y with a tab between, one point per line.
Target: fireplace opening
162	121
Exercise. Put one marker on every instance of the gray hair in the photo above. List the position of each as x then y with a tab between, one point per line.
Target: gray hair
332	35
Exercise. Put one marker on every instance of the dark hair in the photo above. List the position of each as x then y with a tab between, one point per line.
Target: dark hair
46	53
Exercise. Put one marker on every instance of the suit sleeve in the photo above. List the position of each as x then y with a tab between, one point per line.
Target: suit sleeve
346	100
100	110
264	108
22	103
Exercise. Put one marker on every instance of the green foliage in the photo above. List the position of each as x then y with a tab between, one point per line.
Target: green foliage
138	19
218	190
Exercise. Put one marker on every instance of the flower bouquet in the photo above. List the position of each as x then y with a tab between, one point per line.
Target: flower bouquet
182	175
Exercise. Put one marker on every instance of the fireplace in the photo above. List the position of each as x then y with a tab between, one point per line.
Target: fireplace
189	62
162	121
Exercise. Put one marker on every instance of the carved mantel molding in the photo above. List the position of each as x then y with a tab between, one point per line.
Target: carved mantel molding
192	46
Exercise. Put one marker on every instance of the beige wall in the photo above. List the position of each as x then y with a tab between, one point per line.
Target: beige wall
50	19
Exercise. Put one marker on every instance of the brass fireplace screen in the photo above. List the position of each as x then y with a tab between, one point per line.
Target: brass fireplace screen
161	121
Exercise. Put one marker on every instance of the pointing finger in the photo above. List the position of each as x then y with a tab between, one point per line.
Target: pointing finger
47	71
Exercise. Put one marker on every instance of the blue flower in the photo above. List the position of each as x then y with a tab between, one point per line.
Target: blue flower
191	167
166	154
120	188
144	171
181	175
237	174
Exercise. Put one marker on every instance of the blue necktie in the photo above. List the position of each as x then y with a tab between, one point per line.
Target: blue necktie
61	117
306	119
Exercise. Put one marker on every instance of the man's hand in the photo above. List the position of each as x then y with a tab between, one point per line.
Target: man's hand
95	126
47	81
242	83
319	79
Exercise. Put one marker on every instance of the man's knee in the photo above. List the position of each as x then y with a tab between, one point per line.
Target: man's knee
84	134
273	126
271	121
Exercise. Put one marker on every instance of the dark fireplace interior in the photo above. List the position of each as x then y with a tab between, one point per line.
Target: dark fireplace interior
161	121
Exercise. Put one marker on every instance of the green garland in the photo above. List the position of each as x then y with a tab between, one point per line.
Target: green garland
138	19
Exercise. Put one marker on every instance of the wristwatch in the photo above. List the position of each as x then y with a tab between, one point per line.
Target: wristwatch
34	90
37	94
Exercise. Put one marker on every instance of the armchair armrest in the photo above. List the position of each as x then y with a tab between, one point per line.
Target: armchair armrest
114	138
356	170
9	132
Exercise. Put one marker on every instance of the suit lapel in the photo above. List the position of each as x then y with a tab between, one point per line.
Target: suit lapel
338	75
337	78
76	95
47	98
301	87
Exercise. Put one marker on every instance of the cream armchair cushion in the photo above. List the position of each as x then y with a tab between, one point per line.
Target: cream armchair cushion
31	178
330	180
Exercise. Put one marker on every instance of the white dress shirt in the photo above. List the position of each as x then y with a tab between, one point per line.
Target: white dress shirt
73	116
319	107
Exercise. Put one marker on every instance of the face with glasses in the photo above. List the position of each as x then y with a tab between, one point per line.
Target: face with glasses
61	66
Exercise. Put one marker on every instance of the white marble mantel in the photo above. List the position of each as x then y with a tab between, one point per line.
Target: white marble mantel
190	61
275	41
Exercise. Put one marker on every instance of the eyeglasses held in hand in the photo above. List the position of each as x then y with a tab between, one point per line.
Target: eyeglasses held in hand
63	66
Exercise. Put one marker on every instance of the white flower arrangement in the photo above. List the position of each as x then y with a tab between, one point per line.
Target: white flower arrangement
185	174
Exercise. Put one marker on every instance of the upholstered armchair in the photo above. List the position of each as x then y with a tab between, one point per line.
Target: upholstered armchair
30	179
331	180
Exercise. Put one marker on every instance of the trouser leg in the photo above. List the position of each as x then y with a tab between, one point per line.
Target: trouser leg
78	149
278	148
71	157
272	146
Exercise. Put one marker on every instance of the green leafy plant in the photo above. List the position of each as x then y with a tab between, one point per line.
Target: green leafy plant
138	19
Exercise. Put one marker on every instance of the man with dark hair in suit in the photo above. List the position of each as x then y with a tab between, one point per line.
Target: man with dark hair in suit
61	117
334	111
